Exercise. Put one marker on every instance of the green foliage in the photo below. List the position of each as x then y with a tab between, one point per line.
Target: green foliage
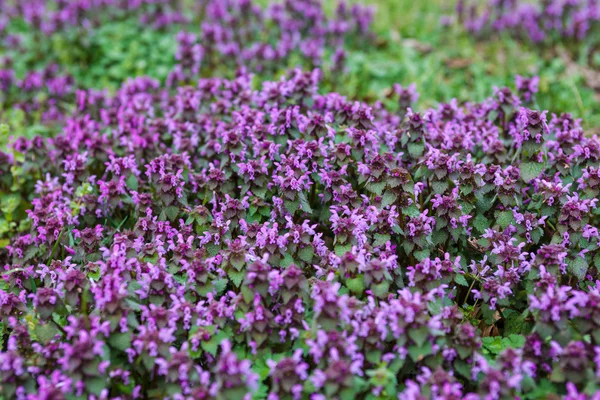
497	344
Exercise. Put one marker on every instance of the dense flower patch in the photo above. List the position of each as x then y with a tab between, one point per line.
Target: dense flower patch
216	241
238	238
541	21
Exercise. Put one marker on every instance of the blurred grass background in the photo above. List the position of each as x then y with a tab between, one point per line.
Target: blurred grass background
446	62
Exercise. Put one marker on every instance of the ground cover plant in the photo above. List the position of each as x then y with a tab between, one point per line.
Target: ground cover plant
215	241
218	230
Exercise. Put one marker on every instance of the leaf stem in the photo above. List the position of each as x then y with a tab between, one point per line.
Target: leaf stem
470	288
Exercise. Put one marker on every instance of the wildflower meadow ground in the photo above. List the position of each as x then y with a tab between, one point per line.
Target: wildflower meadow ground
296	199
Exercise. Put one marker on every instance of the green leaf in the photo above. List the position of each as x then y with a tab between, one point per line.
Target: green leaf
262	392
481	223
439	237
415	149
411	211
488	314
417	353
463	368
483	203
220	285
95	385
531	170
376	187
497	344
341	249
287	261
460	279
260	191
132	182
504	218
212	248
304	203
439	187
381	290
236	276
373	356
4	130
212	344
419	335
517	340
466	189
46	332
578	267
380	239
171	212
420	255
306	253
493	344
292	206
543	390
120	341
536	235
9	202
389	198
597	260
237	262
396	364
515	323
356	285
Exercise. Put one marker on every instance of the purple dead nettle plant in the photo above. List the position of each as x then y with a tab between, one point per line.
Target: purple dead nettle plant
217	241
227	239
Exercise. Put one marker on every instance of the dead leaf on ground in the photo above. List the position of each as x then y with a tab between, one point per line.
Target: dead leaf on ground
490	330
421	47
457	63
591	76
